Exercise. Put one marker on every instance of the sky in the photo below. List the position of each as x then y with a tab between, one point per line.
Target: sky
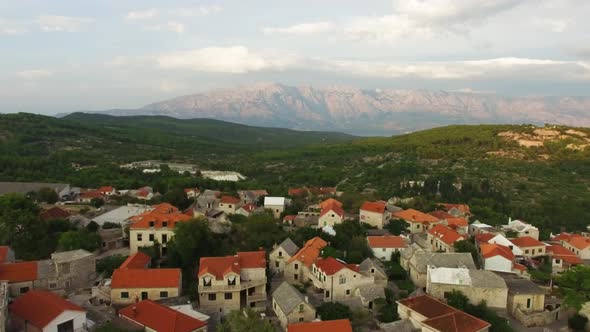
68	55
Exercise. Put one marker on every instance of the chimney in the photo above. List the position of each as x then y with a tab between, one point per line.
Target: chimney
306	299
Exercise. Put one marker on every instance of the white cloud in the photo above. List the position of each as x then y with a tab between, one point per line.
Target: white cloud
55	23
196	11
172	26
34	74
141	14
302	29
8	27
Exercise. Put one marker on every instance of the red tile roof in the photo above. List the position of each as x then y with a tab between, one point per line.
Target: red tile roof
330	202
491	250
456	222
297	191
160	318
484	237
559	252
562	236
220	266
4	250
414	216
106	189
138	260
579	242
19	272
519	267
377	207
91	194
526	242
441	316
289	217
146	278
463	208
387	241
331	265
441	214
341	325
230	200
310	251
445	234
161	213
332	207
54	213
249	207
40	308
196	190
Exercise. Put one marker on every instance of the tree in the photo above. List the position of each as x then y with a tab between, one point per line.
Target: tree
177	197
81	239
192	240
107	265
458	300
387	312
245	321
575	284
92	227
333	311
466	246
577	322
47	195
110	225
97	202
396	227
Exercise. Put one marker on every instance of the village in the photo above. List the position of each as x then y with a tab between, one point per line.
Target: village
440	270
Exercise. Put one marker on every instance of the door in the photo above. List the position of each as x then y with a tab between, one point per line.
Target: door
66	326
144	295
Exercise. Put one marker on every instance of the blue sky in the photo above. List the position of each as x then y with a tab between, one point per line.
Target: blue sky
68	55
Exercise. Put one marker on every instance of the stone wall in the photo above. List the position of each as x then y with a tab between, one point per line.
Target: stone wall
537	318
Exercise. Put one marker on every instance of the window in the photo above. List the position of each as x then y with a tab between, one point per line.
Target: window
228	296
528	303
301	319
333	216
212	297
253	305
296	276
383	249
277	264
533	251
231	280
152	224
124	295
526	251
372	270
296	266
24	290
164	238
206	281
65	267
342	279
277	210
151	237
52	285
229	206
164	224
447	294
301	308
139	237
163	294
280	254
327	293
144	295
557	261
348	292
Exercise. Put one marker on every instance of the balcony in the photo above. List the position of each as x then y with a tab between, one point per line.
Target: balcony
231	288
257	297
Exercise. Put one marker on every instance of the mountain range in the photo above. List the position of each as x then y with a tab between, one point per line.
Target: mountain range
379	112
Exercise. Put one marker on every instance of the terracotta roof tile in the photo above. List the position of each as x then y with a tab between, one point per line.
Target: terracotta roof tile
526	242
484	237
414	216
441	214
310	251
341	325
332	207
138	260
161	213
445	234
564	254
330	202
463	208
457	321
19	272
230	200
54	213
146	278
579	242
41	307
331	265
490	250
377	207
456	222
106	189
387	241
221	266
91	194
252	259
160	318
562	236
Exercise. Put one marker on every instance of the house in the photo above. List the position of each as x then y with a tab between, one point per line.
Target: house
290	219
443	238
441	215
89	196
368	294
499	258
20	276
502	240
384	247
297	192
526	302
192	192
416	262
229	283
521	229
578	244
45	311
460	225
476	285
331	214
229	204
477	228
281	254
329	202
154	226
153	316
122	214
340	325
428	314
375	268
139	260
336	279
251	196
276	205
111	238
246	210
418	222
107	191
529	246
457	210
298	268
54	212
130	285
291	306
562	259
374	214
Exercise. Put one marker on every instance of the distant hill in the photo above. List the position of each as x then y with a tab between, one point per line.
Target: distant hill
381	112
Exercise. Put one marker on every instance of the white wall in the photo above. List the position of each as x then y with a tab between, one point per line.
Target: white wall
498	263
384	254
79	318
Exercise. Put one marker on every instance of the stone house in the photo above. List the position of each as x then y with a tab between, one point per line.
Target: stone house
251	196
281	254
229	204
578	244
192	192
336	279
276	205
526	303
129	285
45	311
374	214
442	238
383	247
562	259
374	268
496	257
476	285
298	268
153	316
291	306
112	238
529	246
428	314
331	214
155	226
232	282
476	228
522	229
418	222
457	210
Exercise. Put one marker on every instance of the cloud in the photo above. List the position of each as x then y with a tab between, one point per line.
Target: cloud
34	74
196	11
302	29
172	26
141	14
8	27
55	23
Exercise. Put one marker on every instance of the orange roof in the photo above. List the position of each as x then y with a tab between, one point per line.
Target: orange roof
562	236
249	207
564	254
40	308
230	200
138	260
289	217
456	222
310	251
377	207
220	266
340	325
161	213
330	202
196	190
160	318
54	213
519	266
457	321
526	242
441	214
491	250
92	194
4	253
463	208
445	234
331	265
106	189
387	241
146	278
332	207
18	272
411	215
579	242
297	191
484	237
